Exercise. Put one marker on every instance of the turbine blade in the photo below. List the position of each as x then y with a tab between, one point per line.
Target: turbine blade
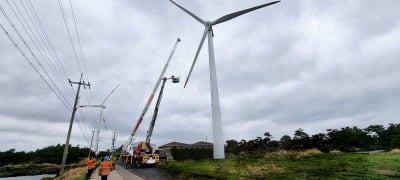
197	54
236	14
190	13
109	94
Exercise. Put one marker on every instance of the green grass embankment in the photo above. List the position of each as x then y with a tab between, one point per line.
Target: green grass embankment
290	165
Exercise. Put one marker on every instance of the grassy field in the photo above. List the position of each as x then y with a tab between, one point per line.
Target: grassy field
290	165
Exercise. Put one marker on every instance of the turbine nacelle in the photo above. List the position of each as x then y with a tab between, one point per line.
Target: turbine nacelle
208	25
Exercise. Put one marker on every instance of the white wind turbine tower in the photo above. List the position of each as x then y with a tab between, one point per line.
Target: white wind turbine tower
216	113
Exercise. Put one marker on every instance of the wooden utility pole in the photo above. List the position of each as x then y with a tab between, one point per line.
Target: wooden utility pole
72	121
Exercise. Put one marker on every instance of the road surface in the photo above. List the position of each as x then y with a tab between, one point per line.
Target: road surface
120	173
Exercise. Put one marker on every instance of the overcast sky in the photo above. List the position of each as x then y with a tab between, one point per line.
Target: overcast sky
296	64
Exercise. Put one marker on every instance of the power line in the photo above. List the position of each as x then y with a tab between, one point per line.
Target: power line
57	70
79	40
31	64
33	55
44	37
81	123
88	95
42	32
48	40
35	41
69	35
82	131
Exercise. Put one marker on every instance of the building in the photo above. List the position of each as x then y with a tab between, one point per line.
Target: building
202	145
165	150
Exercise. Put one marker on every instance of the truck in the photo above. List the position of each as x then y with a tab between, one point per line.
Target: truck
143	153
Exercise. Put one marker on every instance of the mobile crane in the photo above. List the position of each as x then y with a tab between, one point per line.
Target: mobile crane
144	153
128	156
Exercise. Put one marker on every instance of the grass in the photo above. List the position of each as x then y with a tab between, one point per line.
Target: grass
45	168
309	165
72	174
77	173
28	169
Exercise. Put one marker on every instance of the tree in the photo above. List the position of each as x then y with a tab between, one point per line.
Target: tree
350	139
377	134
267	137
242	145
390	137
286	142
50	154
232	146
301	140
321	142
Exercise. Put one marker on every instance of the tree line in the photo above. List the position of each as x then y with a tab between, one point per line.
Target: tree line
346	139
50	154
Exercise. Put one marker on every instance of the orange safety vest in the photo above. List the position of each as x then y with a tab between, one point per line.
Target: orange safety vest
105	168
90	163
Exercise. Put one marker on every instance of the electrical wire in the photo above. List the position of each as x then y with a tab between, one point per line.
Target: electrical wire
46	38
34	57
88	95
62	98
87	91
31	64
69	35
25	25
31	12
36	25
41	41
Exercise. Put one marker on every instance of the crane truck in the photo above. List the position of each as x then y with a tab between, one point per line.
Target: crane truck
144	152
128	156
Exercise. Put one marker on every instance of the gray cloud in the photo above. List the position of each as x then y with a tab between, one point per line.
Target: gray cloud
297	64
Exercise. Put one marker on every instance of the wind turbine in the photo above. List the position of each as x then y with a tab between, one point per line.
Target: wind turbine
101	118
216	113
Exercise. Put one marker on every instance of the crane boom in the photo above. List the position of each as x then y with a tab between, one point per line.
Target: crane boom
150	99
153	119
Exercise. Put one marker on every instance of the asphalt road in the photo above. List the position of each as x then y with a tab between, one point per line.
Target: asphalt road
147	173
119	173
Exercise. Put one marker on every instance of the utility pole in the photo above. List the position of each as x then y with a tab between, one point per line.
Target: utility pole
72	121
91	142
101	118
113	142
98	126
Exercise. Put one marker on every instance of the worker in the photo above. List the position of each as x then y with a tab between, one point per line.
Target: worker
90	166
105	168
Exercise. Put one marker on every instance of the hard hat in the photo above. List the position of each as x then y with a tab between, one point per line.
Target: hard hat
106	158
